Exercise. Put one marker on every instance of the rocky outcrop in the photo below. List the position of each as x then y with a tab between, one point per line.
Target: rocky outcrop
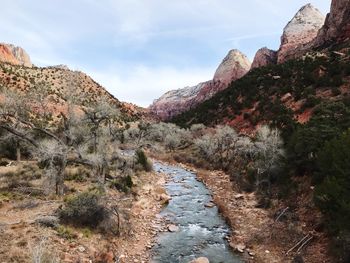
14	55
264	57
234	66
300	31
337	25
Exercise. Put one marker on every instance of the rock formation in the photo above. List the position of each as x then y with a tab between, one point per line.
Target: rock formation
234	66
14	55
264	57
301	30
337	25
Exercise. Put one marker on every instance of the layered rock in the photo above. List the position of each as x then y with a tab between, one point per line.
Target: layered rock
234	66
300	31
337	25
14	55
264	57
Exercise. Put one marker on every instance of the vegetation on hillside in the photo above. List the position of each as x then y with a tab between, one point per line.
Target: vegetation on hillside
308	100
75	153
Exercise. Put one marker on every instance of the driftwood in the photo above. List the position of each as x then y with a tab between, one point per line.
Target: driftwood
305	242
301	243
281	214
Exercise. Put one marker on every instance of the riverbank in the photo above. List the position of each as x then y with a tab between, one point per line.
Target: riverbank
256	234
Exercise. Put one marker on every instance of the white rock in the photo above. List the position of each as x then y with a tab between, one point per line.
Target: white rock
173	228
200	260
81	249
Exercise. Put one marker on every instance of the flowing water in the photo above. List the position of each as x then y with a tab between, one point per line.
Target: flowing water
202	230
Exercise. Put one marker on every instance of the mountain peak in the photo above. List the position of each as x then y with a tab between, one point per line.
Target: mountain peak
264	57
10	53
307	17
233	67
302	29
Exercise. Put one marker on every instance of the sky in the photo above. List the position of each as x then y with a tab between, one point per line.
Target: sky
139	49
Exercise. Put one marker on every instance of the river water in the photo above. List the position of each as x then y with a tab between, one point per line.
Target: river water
202	230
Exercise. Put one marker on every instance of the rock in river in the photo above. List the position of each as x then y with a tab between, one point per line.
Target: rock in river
200	260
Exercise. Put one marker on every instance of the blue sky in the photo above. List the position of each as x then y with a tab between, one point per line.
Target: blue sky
139	49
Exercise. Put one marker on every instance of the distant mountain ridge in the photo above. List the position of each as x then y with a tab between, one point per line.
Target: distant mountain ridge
301	30
234	66
314	72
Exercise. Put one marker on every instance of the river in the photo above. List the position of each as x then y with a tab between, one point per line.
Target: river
202	230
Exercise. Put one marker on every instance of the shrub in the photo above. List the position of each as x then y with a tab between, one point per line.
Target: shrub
41	253
78	174
332	195
84	209
142	160
123	184
65	232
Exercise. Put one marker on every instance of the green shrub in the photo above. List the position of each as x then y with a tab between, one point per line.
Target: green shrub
66	232
123	184
142	160
84	209
332	195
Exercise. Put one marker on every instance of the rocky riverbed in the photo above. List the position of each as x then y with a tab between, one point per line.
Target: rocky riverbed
195	228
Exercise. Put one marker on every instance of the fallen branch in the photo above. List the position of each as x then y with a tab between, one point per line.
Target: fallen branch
302	245
281	214
297	244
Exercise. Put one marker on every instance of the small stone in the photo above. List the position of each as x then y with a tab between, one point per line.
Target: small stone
200	260
267	251
240	248
209	205
239	196
81	249
173	228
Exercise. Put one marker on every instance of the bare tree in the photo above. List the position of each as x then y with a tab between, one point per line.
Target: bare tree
53	157
219	148
99	113
268	153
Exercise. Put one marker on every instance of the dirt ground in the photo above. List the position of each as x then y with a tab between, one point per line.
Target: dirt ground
256	234
22	237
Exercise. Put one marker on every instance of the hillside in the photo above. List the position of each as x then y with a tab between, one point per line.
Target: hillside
280	94
308	100
59	80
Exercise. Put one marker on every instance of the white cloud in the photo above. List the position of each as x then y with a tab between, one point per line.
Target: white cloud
177	43
144	84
